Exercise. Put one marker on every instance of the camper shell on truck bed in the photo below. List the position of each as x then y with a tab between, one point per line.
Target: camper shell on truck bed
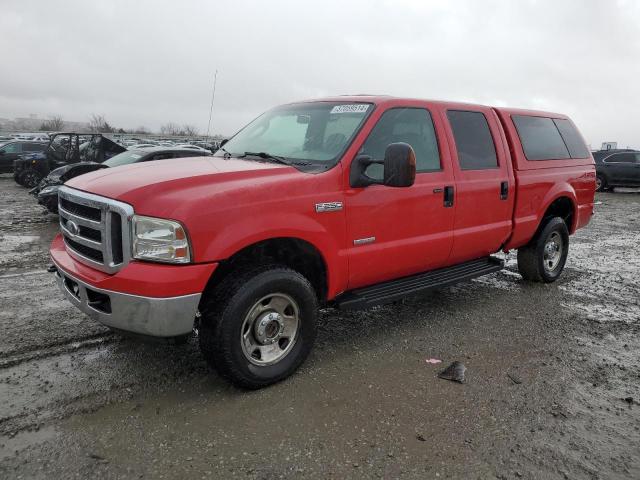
344	201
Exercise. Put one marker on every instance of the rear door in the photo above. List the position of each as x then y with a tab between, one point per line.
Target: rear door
395	232
483	180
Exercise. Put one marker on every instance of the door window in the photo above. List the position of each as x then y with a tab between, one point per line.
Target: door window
12	148
34	147
621	158
474	143
408	125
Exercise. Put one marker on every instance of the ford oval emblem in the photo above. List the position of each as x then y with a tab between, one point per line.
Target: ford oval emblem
72	228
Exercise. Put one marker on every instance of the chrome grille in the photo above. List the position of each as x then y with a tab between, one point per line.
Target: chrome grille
95	229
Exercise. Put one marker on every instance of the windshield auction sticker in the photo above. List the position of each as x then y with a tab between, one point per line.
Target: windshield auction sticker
357	108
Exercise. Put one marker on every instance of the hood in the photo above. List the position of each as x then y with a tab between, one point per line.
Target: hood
129	183
67	172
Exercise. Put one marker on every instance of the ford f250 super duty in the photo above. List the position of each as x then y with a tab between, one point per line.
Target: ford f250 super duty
346	202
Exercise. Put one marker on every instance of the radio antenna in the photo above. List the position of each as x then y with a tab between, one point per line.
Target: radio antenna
213	96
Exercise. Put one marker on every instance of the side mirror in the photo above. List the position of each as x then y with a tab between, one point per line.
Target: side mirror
399	167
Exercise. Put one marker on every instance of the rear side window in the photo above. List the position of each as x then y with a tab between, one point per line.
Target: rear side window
34	147
476	150
540	138
572	139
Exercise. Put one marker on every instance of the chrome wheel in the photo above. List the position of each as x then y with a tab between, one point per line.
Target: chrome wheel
552	252
270	329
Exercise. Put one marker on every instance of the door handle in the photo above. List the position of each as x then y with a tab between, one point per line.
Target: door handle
448	196
504	190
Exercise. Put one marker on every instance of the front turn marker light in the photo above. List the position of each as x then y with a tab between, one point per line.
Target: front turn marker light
159	240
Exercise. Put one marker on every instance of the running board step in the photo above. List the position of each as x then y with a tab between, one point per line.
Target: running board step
395	289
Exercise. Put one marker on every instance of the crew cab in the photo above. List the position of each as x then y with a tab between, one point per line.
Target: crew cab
345	202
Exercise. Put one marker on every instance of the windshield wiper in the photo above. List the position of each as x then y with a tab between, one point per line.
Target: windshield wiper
274	158
266	156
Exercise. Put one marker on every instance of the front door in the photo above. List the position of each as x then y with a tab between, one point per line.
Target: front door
622	168
8	154
396	232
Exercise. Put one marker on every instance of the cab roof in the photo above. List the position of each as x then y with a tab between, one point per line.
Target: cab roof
386	99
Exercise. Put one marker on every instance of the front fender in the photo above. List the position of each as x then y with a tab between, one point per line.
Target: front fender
247	231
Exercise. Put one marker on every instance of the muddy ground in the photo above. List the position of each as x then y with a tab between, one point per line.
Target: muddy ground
552	391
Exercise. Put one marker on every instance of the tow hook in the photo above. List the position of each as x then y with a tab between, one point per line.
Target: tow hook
52	269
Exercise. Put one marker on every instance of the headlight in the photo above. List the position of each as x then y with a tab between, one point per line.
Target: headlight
159	240
49	189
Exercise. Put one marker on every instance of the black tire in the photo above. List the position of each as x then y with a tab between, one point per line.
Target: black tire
225	308
18	179
601	183
532	263
51	204
30	178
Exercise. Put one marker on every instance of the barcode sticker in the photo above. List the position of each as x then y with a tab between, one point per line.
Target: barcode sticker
357	108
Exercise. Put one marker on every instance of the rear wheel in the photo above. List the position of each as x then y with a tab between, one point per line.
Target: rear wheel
543	259
259	325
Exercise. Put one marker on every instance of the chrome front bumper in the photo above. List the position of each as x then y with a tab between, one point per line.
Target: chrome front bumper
157	317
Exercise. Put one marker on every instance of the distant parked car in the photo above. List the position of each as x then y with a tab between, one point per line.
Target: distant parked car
33	137
192	147
617	168
142	145
13	150
47	191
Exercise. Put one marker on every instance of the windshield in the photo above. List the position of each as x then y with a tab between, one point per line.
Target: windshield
123	158
314	133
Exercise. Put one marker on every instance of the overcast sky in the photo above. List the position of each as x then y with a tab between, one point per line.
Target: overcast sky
151	62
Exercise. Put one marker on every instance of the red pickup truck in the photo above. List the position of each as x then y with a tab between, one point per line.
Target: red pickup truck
346	202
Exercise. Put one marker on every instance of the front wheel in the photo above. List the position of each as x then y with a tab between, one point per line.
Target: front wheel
30	178
258	325
543	259
601	183
50	203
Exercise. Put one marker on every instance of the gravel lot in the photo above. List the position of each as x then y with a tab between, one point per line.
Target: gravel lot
552	391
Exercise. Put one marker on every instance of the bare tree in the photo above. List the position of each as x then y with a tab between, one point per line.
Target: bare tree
98	124
54	124
175	129
170	129
189	130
